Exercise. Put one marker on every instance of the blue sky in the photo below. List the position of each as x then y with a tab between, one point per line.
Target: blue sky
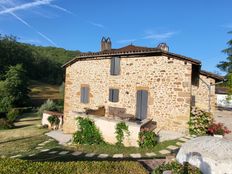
197	29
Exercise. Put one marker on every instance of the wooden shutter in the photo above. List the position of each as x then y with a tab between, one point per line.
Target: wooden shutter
141	105
113	95
115	66
84	94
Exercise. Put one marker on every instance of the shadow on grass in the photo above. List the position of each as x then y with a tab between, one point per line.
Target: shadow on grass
22	126
46	156
17	139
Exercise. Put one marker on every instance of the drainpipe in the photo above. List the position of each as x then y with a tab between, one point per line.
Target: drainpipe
209	88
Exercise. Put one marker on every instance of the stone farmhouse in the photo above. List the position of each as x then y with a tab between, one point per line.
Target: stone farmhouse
136	84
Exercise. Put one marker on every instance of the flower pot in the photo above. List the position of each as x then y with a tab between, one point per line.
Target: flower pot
218	136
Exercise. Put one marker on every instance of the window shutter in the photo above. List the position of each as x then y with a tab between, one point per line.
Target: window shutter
113	95
112	65
115	66
84	94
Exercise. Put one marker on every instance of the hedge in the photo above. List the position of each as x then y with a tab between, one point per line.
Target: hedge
16	166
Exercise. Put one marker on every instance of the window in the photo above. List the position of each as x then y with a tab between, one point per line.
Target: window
85	94
115	66
113	95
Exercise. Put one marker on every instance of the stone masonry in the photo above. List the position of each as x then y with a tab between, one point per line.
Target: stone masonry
167	80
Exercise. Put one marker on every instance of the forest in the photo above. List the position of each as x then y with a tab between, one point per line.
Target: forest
40	63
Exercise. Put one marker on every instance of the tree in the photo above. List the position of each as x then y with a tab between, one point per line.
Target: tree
14	89
226	66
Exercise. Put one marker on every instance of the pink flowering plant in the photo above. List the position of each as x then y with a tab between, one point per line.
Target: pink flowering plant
218	129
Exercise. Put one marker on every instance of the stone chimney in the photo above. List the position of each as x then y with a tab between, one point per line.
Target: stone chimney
163	47
105	44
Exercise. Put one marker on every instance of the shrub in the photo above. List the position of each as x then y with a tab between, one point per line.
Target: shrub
53	120
199	121
17	166
218	128
176	168
121	128
147	139
49	105
12	114
5	124
88	133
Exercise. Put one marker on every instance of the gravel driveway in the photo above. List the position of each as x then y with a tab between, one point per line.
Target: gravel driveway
225	117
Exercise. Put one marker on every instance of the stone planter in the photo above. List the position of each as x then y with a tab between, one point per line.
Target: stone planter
218	136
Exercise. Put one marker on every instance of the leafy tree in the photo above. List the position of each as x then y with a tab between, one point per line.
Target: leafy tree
226	66
14	91
40	63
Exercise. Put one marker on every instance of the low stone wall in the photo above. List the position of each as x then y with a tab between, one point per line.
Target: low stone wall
107	127
47	114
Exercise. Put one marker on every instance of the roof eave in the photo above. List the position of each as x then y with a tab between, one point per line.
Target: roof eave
85	56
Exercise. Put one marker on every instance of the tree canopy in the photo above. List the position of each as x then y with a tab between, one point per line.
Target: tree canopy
40	63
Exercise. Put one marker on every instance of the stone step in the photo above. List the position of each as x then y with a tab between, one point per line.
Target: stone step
89	154
150	154
135	155
118	156
103	156
164	152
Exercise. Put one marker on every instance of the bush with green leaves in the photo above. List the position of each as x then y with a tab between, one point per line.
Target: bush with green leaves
53	120
121	130
5	124
87	132
14	88
147	139
12	114
199	121
49	105
176	168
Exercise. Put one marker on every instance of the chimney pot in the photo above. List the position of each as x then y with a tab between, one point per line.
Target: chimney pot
105	44
163	47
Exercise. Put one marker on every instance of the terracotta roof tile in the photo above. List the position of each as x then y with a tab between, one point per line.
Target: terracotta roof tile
131	50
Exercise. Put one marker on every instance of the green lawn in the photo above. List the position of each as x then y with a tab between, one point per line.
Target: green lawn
13	166
40	92
126	151
23	139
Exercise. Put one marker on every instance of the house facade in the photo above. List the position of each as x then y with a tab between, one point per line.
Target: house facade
137	83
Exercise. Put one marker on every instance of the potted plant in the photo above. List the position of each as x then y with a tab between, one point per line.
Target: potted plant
218	130
54	122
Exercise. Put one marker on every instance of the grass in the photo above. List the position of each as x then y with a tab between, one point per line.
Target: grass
24	137
83	167
40	92
126	151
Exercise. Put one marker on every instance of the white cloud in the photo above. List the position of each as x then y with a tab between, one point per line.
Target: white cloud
159	36
96	24
61	8
30	26
26	6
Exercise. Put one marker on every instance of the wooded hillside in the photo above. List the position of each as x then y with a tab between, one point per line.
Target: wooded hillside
41	63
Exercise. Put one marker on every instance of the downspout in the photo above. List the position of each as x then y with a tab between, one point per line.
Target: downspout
209	88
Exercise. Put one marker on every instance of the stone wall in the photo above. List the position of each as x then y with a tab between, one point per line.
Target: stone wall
201	94
167	80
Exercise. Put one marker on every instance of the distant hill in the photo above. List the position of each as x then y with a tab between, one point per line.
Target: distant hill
59	55
41	63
